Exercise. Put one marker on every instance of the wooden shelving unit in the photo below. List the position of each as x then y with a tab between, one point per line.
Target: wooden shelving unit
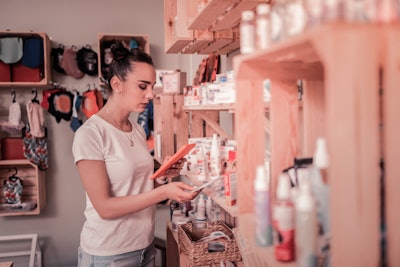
170	125
46	59
340	102
34	186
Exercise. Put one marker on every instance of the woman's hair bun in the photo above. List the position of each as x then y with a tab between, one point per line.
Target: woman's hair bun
119	51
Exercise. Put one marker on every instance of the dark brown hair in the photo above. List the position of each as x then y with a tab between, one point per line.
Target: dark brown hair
124	61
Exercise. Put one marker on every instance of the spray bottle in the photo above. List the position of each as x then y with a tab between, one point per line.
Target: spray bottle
262	209
283	221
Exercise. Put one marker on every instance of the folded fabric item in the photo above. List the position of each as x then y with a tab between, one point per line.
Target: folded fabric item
87	61
11	49
22	73
57	57
60	105
70	64
33	55
5	72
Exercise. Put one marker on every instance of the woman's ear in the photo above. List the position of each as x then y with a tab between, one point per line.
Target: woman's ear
116	85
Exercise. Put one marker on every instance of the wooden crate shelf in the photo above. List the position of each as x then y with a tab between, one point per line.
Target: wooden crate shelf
34	187
45	81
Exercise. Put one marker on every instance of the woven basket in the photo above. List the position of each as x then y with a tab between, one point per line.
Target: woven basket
198	253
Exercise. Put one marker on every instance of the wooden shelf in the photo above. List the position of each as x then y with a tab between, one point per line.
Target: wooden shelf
220	107
220	15
34	189
340	66
45	81
252	254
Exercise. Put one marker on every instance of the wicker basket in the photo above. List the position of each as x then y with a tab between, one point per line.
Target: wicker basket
198	252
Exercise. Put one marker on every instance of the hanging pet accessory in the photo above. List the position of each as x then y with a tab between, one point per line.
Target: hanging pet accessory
12	189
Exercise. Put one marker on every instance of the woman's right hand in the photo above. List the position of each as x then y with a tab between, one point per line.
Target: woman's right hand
179	191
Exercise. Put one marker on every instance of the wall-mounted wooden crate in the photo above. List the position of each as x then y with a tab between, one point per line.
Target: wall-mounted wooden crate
33	198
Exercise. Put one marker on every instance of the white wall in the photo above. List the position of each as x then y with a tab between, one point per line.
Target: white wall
75	22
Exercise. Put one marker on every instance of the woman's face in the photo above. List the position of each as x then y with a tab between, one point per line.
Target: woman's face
138	88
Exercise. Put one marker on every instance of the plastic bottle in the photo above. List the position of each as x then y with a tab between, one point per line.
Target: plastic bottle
262	26
215	158
262	209
320	190
295	17
283	221
247	32
306	234
201	165
209	206
201	212
278	27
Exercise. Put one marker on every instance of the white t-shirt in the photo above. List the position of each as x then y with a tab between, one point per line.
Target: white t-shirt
129	168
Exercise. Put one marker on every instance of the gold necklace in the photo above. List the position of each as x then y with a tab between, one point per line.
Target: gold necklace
129	135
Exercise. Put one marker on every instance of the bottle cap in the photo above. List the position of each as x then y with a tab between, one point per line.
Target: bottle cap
261	182
321	157
283	190
262	9
247	15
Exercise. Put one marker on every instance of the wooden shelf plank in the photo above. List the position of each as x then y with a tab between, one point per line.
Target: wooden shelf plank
391	141
210	14
231	18
253	255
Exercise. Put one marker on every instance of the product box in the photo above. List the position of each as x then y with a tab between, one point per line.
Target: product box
230	185
173	83
12	148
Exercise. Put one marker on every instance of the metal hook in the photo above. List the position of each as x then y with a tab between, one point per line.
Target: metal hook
34	91
13	95
16	172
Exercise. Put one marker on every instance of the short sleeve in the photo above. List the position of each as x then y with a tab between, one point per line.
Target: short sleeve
87	145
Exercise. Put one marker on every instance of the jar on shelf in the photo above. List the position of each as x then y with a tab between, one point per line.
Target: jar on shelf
247	32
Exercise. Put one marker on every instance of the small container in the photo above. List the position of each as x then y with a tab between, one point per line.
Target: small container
177	217
247	32
262	26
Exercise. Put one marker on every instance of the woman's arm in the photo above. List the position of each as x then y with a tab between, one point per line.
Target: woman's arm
96	183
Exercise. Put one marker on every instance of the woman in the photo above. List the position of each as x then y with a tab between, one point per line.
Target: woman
115	165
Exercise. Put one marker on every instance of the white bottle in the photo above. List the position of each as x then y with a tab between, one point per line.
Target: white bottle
262	209
247	32
306	233
215	158
262	26
209	207
201	212
295	17
319	187
201	165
